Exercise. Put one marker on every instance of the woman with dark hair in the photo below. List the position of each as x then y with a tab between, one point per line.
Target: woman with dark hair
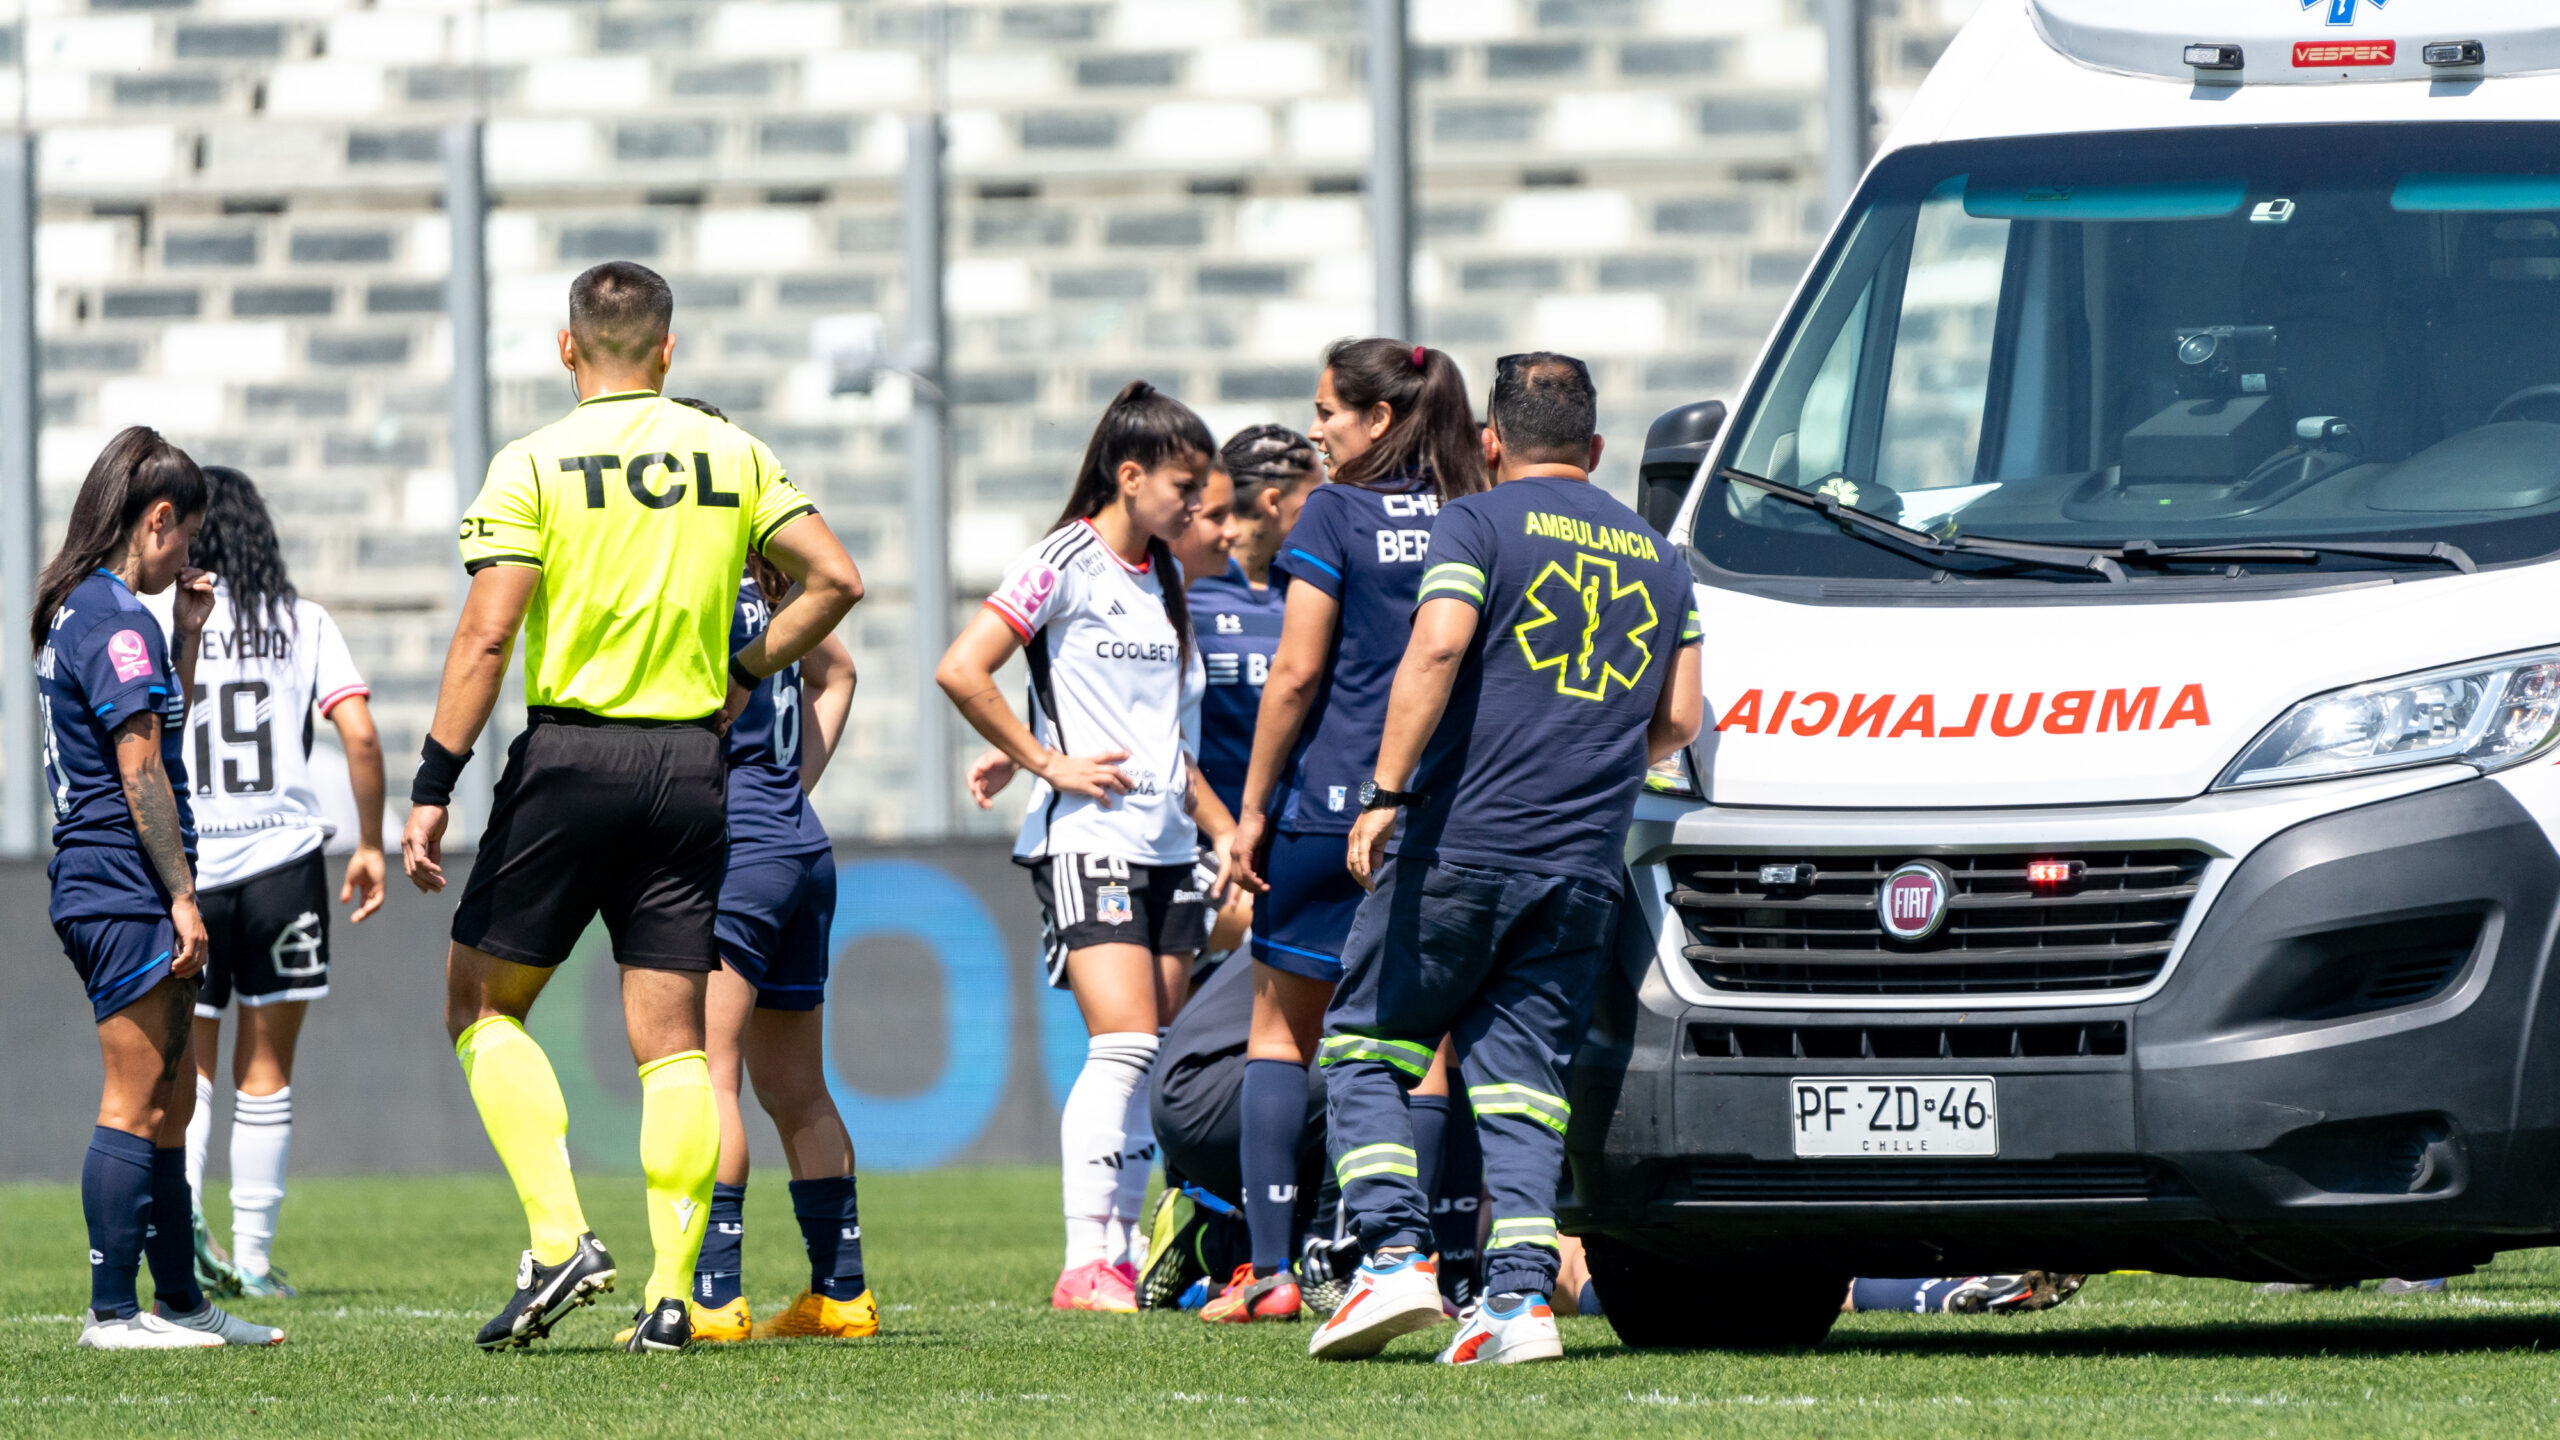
1098	612
1399	438
270	661
123	872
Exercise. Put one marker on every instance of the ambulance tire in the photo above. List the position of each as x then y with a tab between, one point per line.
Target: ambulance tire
1656	1303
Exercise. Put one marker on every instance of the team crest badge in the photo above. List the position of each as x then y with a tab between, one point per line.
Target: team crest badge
1111	905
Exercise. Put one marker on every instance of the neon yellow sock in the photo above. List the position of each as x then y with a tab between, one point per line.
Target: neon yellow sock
679	1153
528	1122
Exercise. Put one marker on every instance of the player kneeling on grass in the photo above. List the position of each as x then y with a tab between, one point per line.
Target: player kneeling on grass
1554	658
123	882
777	904
269	661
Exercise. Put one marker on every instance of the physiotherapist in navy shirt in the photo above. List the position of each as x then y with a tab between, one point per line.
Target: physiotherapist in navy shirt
1554	659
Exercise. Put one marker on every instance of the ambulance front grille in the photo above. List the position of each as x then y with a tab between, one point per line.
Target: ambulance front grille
2111	929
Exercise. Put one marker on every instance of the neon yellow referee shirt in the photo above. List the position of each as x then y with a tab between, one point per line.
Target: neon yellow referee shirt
639	513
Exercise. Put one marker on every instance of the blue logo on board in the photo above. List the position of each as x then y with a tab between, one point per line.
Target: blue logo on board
2342	12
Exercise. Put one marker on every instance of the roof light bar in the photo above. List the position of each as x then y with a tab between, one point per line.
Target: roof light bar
2214	57
2456	54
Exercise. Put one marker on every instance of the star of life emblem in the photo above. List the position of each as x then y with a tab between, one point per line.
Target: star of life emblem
2342	12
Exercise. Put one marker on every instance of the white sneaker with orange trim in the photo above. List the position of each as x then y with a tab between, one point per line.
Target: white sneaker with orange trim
1505	1330
1387	1298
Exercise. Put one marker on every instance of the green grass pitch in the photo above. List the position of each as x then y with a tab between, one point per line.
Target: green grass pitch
397	1273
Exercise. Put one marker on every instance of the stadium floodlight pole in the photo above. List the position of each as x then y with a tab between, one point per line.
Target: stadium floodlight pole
466	308
928	462
21	791
1847	102
1391	166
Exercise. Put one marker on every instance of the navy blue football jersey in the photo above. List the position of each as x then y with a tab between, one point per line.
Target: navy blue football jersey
769	814
1238	629
106	661
1365	548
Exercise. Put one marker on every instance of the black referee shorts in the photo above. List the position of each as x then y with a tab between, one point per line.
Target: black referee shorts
627	819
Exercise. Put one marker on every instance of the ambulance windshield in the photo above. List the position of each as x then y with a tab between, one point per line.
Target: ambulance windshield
2342	335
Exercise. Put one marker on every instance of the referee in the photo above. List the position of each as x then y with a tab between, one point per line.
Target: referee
613	538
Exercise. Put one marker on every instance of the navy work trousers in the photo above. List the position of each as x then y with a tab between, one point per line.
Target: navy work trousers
1504	964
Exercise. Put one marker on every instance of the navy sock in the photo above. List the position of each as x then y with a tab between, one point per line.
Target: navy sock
716	1272
1273	1118
1430	1115
115	1198
1455	1205
831	1227
170	1239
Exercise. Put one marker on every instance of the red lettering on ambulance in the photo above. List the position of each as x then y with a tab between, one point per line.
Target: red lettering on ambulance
1972	720
1872	717
1778	716
1922	717
2117	712
1830	704
1745	715
2000	715
2189	706
2070	712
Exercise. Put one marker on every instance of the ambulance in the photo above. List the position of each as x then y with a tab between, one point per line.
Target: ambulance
2123	832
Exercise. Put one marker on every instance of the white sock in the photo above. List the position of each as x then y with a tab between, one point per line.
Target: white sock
261	1134
1137	1166
199	1137
1092	1131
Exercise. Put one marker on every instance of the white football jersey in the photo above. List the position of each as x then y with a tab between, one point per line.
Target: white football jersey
1106	674
249	731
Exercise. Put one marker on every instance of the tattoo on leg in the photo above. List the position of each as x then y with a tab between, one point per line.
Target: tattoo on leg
177	1023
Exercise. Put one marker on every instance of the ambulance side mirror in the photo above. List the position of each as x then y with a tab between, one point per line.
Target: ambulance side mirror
1674	446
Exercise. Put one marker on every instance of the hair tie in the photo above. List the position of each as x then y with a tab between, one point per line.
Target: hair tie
1421	358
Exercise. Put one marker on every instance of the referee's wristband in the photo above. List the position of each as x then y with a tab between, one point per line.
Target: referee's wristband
438	768
747	679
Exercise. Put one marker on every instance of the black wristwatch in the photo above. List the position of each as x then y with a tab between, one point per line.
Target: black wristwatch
1373	798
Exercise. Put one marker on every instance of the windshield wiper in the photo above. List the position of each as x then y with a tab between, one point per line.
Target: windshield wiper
2303	552
2053	557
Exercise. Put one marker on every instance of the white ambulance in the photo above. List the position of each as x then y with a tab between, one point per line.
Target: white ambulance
2122	837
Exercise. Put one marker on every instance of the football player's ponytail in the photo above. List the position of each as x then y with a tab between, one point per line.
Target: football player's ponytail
1143	425
136	471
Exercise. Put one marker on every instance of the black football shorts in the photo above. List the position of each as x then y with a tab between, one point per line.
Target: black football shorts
1105	900
624	819
270	937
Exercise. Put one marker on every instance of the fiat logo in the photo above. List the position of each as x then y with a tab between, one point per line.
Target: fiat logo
1913	902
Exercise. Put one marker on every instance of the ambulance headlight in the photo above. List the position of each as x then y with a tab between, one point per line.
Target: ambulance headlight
2490	714
1673	776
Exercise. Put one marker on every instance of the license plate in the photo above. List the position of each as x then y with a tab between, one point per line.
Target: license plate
1882	1119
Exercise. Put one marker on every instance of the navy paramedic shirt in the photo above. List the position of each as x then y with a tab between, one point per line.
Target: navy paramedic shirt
1541	753
105	662
1238	628
1365	548
769	814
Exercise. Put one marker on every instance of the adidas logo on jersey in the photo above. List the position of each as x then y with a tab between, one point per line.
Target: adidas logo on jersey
1116	610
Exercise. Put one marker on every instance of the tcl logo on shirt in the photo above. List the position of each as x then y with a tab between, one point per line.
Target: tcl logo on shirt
2004	716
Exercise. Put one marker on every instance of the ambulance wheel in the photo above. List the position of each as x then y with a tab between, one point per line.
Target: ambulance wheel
1656	1303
